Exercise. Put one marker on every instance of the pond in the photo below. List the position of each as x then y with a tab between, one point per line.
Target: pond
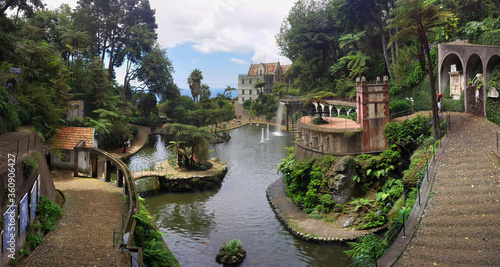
197	223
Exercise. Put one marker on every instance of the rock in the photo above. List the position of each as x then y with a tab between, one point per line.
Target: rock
348	222
340	180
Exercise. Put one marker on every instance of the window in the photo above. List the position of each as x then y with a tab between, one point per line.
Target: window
65	156
242	99
242	81
242	92
250	81
260	72
250	93
258	79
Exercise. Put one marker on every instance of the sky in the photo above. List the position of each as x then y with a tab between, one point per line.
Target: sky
219	37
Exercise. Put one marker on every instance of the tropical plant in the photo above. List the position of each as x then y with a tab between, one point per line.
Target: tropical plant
417	18
229	90
194	82
361	251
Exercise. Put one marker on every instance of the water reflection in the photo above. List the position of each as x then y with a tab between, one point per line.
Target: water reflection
197	223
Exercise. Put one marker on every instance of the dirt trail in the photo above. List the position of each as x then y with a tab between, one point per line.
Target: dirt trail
460	225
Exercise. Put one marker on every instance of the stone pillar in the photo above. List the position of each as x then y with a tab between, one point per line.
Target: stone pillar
373	113
119	178
107	170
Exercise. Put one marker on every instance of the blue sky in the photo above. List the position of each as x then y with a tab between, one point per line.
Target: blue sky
219	37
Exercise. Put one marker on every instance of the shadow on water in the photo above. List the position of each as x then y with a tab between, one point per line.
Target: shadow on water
197	223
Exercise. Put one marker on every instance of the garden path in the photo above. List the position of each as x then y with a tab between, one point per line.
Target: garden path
84	235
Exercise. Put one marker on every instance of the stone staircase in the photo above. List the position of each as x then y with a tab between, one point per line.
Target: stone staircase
460	225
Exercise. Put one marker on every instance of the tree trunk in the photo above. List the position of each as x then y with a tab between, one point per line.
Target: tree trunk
435	115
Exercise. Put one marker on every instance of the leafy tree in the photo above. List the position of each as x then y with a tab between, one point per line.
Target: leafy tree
110	23
417	18
189	138
156	74
194	82
26	6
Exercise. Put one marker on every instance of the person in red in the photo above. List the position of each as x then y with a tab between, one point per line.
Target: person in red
440	99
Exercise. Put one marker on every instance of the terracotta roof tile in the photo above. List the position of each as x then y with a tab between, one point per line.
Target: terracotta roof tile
68	137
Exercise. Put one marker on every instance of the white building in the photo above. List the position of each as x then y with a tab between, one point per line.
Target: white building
267	72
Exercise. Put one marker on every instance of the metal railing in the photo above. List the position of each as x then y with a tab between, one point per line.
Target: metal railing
23	145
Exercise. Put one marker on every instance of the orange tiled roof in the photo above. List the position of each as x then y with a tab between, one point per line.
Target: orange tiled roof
68	137
285	68
269	68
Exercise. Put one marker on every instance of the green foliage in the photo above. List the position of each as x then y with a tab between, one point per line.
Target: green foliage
398	108
30	164
371	220
493	104
264	105
362	203
490	38
231	247
48	213
409	133
305	181
33	240
155	252
453	105
359	251
319	121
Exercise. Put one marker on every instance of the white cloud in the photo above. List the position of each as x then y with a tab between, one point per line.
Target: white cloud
239	61
195	60
245	26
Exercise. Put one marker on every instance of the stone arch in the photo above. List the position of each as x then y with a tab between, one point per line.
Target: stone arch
492	62
444	77
471	55
473	61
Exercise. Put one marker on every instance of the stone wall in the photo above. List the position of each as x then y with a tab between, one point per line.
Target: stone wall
23	185
313	141
196	183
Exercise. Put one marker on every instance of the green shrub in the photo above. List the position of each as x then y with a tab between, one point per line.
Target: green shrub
319	121
155	252
371	220
134	130
33	240
231	247
360	250
48	213
453	105
398	108
30	164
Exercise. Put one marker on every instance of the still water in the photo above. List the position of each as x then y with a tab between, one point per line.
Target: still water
197	223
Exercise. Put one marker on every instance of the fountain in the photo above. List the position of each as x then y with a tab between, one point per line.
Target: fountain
262	138
267	136
279	118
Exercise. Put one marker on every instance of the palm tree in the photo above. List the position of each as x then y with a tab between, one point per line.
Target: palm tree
190	141
260	85
417	18
194	82
317	98
229	89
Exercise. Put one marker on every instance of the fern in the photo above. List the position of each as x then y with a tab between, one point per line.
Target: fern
362	252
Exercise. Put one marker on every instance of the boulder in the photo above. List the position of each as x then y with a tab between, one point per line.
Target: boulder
340	182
